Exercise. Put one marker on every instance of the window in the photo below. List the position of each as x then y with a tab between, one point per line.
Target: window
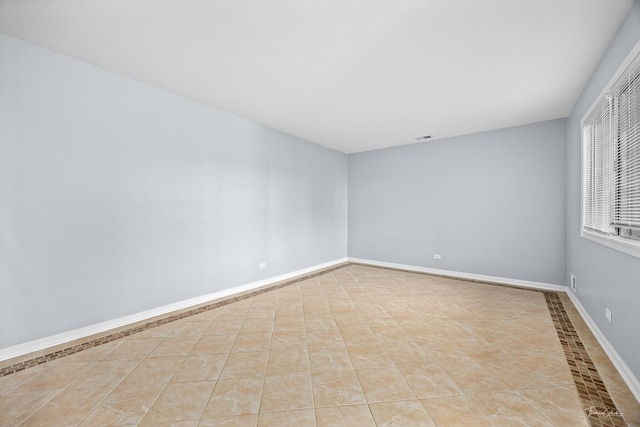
611	162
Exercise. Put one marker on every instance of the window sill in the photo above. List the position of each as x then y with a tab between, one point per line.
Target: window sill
630	247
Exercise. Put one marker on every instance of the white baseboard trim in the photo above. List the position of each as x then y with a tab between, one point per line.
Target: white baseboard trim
459	275
623	369
99	328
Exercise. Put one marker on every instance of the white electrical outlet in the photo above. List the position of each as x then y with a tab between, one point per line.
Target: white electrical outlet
573	283
262	265
437	256
607	314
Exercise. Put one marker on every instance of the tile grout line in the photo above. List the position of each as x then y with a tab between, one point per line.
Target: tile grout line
106	395
306	339
204	408
353	368
264	378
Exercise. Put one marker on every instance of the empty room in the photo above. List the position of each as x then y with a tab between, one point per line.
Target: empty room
319	213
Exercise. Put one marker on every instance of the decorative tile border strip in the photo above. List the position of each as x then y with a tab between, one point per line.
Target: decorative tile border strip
11	369
599	407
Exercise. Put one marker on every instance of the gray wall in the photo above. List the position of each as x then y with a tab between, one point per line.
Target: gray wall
605	277
490	203
116	197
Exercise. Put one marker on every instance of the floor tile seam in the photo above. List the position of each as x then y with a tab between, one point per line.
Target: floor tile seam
352	369
383	367
522	400
178	370
14	391
306	345
308	352
106	395
39	407
105	398
161	391
204	407
165	319
360	314
539	411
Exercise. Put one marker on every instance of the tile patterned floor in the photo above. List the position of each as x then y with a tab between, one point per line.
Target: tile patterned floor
355	345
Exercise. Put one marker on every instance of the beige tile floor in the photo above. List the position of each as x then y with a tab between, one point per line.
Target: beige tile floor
356	346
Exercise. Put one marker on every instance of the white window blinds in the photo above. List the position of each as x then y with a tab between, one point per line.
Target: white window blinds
611	158
626	92
598	169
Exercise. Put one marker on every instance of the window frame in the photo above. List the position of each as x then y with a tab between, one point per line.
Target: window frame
630	246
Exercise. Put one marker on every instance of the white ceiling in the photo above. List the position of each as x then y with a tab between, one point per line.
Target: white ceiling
352	75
